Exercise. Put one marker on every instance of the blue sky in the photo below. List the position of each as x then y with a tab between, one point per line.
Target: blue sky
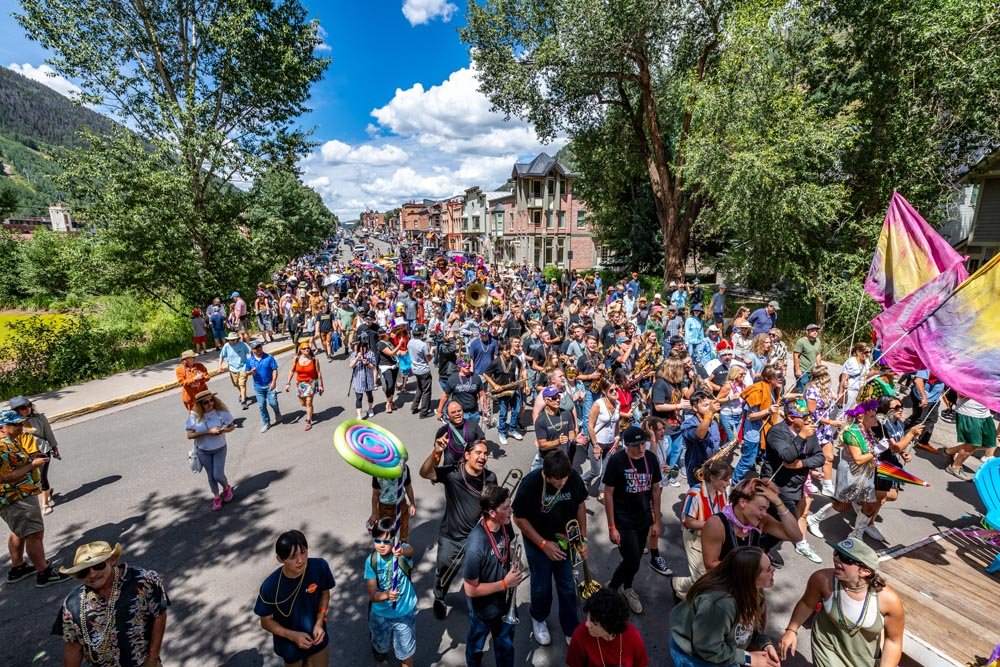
398	115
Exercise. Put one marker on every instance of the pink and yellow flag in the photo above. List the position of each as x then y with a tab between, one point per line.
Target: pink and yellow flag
956	331
909	254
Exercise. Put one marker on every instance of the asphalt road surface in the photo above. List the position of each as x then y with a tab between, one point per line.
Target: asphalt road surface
124	478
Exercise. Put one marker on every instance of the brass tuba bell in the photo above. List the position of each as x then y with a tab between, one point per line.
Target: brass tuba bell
476	295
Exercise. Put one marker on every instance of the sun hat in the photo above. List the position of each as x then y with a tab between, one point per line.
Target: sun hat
188	354
233	336
859	551
10	417
91	554
202	395
633	436
19	402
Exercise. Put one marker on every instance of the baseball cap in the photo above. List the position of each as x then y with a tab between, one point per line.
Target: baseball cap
696	308
234	295
19	402
633	436
257	343
812	326
550	392
859	551
657	296
713	328
774	304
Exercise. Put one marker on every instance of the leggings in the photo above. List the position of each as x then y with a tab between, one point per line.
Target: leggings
389	380
633	541
45	475
214	463
357	399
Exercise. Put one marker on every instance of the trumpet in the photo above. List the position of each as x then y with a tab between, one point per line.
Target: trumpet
510	482
574	536
510	618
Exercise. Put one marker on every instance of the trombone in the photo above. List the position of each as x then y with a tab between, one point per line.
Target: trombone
510	618
574	536
510	482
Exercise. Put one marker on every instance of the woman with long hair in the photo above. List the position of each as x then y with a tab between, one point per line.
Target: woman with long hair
721	620
820	401
856	372
856	470
363	363
779	349
604	421
308	379
207	425
704	499
672	371
388	367
730	398
858	613
760	354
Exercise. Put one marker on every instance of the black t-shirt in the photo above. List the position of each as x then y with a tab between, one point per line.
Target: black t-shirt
633	482
555	332
587	363
385	357
465	390
504	372
446	356
325	322
538	353
720	374
458	437
549	427
608	336
642	316
547	513
481	563
663	392
461	495
370	334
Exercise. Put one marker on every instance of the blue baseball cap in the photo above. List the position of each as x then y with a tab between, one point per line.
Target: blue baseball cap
10	417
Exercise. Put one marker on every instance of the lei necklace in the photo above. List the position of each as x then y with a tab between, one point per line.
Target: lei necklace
853	626
103	638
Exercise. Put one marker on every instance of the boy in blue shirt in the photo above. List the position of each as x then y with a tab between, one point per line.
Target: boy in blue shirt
392	619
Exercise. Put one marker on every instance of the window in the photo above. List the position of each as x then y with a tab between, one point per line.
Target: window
606	255
550	186
465	224
548	219
562	219
581	219
536	189
536	218
475	223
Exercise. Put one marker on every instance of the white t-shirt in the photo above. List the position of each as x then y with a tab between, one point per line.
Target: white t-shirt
970	407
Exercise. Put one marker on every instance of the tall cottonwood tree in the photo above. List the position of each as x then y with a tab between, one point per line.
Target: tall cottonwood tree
211	88
562	63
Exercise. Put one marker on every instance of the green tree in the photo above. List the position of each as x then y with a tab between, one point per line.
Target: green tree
561	64
213	90
8	200
10	251
43	268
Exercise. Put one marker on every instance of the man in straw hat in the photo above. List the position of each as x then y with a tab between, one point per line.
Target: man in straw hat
192	377
117	615
20	482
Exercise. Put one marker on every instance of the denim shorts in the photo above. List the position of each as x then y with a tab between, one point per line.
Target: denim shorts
399	632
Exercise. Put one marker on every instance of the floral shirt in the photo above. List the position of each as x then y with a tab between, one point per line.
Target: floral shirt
121	641
12	457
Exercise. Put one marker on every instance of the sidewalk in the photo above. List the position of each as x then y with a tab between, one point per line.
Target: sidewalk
81	399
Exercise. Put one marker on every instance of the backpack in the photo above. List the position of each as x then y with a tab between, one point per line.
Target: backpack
404	567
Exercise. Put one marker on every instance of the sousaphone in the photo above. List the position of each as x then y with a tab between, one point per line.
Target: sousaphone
476	295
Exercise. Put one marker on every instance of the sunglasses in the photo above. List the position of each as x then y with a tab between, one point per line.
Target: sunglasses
82	574
379	540
896	407
846	560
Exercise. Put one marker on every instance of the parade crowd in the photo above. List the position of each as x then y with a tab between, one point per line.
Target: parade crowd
620	392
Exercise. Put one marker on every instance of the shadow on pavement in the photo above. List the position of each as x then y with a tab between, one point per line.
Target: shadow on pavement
84	489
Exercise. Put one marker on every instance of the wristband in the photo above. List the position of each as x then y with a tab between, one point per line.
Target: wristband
503	583
611	526
787	511
542	545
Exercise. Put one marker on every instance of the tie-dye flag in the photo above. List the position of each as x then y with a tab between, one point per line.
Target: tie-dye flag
957	334
908	255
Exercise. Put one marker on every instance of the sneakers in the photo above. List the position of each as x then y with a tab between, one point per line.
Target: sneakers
502	439
827	488
244	404
955	471
516	435
263	429
227	494
874	533
659	565
541	632
216	504
804	549
948	416
633	600
369	415
22	571
440	611
48	576
813	526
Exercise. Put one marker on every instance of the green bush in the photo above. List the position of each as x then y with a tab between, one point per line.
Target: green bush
551	273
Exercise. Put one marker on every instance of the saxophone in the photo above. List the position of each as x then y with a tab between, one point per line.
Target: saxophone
505	390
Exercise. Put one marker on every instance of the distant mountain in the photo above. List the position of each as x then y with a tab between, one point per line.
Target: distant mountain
37	125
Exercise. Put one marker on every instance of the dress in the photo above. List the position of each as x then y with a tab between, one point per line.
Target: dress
855	483
363	377
824	432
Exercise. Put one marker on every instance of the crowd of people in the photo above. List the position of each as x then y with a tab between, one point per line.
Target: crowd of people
623	395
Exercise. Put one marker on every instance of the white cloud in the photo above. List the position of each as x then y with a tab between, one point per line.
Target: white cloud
427	142
322	34
47	76
418	12
337	152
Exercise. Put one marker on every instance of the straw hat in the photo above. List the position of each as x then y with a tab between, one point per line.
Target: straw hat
91	554
202	395
188	354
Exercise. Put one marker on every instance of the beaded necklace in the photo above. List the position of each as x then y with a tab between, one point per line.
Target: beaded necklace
493	544
468	487
547	505
293	596
853	626
104	638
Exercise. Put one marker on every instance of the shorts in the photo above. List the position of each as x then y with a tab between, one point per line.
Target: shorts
23	517
978	431
199	340
396	633
239	378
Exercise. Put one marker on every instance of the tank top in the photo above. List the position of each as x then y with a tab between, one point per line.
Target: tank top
834	645
731	540
604	429
305	369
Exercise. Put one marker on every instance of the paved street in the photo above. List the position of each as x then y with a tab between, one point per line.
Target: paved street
124	477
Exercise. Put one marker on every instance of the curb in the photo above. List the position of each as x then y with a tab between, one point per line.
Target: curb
143	393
